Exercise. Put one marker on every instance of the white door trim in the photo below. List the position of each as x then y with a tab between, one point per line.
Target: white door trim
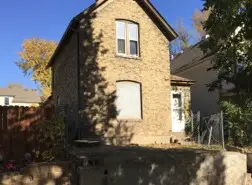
177	125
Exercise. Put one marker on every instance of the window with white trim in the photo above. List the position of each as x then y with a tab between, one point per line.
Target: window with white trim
127	36
128	103
6	101
178	105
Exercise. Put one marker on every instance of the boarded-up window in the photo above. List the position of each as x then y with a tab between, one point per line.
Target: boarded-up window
128	100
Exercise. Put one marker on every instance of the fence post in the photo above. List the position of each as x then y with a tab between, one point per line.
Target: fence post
222	130
210	136
198	121
192	124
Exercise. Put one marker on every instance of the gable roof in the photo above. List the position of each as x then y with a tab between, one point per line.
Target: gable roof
190	57
21	95
157	18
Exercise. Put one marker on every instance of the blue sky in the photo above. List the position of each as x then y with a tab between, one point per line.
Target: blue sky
48	19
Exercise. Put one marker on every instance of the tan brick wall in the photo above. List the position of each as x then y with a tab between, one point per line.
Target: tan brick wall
65	78
152	70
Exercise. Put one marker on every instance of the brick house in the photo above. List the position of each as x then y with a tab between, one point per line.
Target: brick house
111	75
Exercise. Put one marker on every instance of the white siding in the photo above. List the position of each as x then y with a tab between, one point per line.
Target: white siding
14	104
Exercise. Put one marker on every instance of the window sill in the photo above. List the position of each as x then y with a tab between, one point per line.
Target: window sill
128	57
130	120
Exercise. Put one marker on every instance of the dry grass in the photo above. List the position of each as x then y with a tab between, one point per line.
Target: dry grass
186	146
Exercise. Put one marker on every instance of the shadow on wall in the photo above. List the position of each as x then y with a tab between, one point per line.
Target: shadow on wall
98	113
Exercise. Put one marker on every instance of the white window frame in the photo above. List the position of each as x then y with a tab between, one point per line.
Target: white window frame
8	98
133	40
117	38
127	39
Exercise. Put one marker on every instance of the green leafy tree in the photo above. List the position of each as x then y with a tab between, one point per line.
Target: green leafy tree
49	138
229	27
239	119
34	57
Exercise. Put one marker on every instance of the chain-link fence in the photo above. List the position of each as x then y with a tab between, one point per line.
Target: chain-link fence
206	130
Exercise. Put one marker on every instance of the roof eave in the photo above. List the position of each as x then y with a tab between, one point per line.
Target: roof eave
171	33
177	82
67	32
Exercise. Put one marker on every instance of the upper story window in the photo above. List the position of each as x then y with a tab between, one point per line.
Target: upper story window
127	36
6	101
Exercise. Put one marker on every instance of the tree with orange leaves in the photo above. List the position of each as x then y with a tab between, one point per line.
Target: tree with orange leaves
34	57
198	18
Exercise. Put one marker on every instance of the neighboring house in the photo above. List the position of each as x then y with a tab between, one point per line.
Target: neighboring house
111	75
192	63
17	96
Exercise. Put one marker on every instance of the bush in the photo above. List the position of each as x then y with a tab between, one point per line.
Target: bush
239	123
49	139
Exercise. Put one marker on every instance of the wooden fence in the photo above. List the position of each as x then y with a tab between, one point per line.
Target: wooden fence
15	124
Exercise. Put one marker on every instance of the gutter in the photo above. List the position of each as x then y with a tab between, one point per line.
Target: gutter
78	69
183	82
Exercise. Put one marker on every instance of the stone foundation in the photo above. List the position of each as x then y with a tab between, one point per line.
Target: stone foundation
145	166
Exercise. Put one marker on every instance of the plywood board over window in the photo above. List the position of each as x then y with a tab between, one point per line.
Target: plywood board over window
128	100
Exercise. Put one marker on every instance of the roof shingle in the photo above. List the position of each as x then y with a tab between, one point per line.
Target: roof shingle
21	95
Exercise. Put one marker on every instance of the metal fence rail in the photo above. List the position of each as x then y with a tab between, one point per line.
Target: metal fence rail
206	130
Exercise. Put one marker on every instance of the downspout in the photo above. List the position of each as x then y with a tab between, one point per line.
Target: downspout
76	30
78	83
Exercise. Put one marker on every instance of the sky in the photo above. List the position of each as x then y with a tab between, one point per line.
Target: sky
48	19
